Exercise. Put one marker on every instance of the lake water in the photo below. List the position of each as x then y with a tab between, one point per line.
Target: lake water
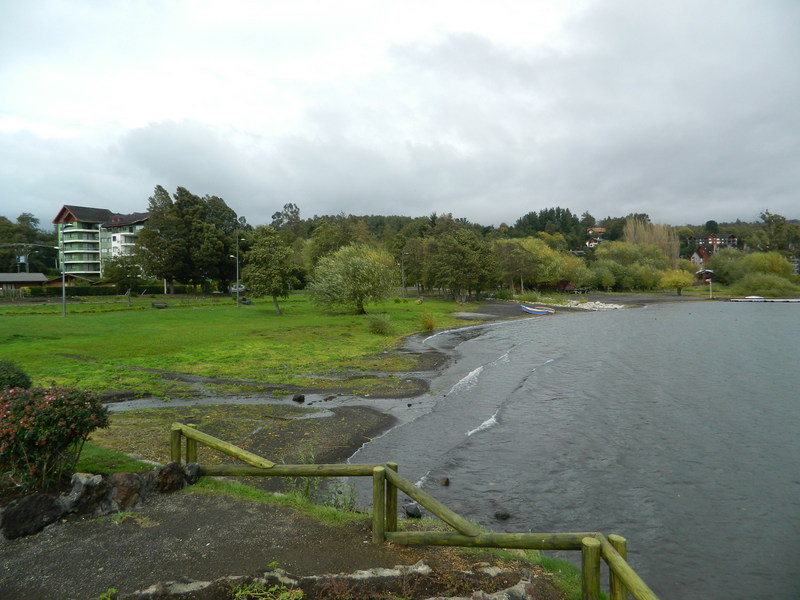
676	426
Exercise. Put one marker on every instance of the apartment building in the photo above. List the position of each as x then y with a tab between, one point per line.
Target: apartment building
88	237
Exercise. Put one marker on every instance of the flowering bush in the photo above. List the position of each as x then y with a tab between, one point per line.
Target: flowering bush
42	432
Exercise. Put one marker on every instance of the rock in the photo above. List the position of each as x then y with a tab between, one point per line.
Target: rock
192	471
170	478
412	510
502	515
90	495
29	515
300	398
444	481
125	488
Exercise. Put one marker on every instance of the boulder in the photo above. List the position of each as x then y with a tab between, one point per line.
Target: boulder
299	398
29	515
90	495
192	471
125	489
170	478
412	510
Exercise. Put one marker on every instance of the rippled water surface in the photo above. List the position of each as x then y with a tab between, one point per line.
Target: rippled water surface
676	426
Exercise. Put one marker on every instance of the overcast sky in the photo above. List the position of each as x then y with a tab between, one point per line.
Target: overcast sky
687	110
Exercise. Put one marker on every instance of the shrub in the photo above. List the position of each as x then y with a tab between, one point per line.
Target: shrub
427	322
768	285
12	376
380	324
503	294
42	432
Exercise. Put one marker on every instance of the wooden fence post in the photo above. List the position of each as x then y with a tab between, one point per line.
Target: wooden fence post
191	448
590	568
391	501
618	589
175	445
378	505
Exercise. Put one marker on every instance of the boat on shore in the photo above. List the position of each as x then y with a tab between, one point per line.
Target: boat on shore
537	310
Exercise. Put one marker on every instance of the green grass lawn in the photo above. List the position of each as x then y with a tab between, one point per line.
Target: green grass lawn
104	345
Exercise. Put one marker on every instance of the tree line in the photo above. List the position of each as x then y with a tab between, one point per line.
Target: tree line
350	259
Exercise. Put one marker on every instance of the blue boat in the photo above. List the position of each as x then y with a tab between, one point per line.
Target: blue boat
536	310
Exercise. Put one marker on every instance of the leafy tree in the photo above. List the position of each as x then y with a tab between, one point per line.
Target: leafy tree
615	226
514	263
767	262
676	278
269	270
26	231
125	272
352	276
334	233
642	233
727	265
711	227
551	221
460	262
188	238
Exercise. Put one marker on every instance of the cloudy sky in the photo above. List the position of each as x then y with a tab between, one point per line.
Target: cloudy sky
686	110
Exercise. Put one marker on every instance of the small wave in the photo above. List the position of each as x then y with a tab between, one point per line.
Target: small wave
467	382
422	480
490	422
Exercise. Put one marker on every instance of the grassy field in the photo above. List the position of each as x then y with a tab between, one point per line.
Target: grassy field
109	346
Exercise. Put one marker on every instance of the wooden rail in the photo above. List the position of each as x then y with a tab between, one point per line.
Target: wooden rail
386	482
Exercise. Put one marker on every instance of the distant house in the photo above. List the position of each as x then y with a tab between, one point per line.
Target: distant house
700	256
89	237
715	241
705	246
16	281
595	236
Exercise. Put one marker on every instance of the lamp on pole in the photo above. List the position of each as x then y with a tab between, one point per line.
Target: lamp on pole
403	271
238	285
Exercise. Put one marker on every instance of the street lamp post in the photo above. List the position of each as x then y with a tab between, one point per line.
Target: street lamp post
238	285
403	271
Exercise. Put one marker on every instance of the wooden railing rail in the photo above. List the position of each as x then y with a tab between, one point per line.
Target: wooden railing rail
386	482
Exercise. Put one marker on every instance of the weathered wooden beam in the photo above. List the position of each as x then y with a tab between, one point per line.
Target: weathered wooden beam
621	569
527	541
617	587
455	521
288	471
391	500
175	445
378	505
227	448
590	568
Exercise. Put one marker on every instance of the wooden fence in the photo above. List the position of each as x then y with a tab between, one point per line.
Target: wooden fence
386	482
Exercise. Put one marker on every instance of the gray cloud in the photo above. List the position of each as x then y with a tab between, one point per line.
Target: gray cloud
683	110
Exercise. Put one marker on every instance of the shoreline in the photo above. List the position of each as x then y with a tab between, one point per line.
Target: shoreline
349	421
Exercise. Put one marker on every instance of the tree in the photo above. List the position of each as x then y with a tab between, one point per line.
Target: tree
353	275
459	261
334	233
269	269
676	278
188	238
642	233
125	272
